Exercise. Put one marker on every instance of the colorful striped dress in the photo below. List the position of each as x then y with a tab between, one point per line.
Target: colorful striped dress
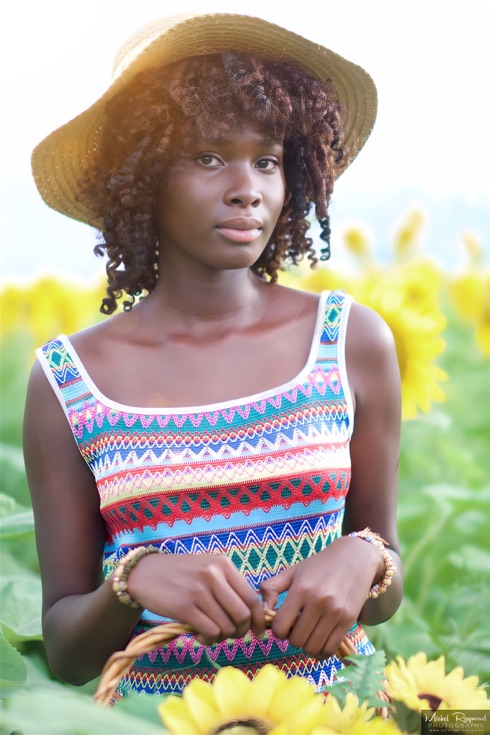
261	479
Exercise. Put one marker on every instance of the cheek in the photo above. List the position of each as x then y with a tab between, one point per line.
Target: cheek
279	196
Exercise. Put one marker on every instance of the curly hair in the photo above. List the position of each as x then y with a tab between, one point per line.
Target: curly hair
162	108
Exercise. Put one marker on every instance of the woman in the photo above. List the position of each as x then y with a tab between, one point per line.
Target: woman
241	429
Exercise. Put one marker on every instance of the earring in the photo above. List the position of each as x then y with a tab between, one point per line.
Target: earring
156	261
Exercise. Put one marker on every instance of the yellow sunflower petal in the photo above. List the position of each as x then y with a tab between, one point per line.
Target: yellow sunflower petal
407	237
357	242
264	687
176	717
308	716
231	689
199	697
376	726
288	699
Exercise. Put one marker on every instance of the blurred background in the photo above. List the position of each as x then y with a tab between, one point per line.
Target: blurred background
410	221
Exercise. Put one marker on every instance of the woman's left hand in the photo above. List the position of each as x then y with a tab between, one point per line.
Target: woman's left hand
326	593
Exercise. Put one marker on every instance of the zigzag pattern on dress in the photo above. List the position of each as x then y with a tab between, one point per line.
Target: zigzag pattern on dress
258	552
138	448
262	479
309	465
84	411
290	660
224	501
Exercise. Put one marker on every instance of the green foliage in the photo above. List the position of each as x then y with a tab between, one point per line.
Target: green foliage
59	710
443	520
13	669
363	677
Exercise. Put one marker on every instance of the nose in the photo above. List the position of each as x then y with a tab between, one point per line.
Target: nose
242	189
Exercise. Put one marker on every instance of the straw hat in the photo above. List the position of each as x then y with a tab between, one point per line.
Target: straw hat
59	160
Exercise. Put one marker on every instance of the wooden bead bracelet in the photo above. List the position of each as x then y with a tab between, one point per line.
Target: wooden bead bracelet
389	568
125	565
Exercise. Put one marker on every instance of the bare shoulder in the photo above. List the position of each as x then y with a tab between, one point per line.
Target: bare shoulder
292	301
367	332
371	355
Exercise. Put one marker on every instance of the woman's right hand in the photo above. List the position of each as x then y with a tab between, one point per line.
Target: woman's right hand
206	591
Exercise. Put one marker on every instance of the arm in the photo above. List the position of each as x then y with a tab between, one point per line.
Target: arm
83	622
330	589
374	374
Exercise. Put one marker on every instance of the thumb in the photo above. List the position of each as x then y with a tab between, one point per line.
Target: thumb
272	587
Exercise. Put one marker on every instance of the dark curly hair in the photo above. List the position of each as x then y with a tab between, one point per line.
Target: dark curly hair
164	107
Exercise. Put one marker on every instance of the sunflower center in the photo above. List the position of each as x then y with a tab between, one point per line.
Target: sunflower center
433	701
243	727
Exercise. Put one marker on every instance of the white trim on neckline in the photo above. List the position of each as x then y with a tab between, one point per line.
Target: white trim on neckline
207	408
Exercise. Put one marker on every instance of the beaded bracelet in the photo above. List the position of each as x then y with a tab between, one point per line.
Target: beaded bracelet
389	568
126	564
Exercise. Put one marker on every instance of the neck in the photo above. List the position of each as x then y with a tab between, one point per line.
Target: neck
220	296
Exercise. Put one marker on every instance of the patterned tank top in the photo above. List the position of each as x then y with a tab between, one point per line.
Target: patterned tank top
261	479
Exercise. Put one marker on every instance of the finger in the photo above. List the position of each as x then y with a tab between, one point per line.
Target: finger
231	613
335	639
258	622
303	628
315	643
287	616
272	587
207	631
244	606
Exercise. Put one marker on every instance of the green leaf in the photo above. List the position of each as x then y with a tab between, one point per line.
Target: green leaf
13	455
364	677
12	667
15	519
63	711
366	674
144	705
20	612
460	494
471	557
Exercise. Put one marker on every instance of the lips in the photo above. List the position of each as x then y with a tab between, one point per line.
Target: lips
240	229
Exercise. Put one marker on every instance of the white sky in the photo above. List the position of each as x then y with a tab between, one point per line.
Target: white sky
429	60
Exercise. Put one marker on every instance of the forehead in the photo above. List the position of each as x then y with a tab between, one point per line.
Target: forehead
243	135
241	132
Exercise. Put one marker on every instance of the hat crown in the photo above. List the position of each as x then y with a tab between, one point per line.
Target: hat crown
142	38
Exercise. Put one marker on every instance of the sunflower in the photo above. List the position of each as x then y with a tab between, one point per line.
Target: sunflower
422	684
353	719
404	299
315	280
339	719
48	306
407	238
358	243
470	295
270	704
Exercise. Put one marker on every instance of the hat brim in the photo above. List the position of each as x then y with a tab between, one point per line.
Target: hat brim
59	161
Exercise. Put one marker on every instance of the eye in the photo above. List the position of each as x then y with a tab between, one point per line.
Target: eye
208	160
267	164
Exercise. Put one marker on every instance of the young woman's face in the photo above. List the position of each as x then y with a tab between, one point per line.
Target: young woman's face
221	200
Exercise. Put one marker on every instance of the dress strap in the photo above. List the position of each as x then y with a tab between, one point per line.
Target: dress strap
331	357
64	375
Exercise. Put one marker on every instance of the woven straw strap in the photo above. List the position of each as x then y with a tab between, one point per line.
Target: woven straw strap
121	661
